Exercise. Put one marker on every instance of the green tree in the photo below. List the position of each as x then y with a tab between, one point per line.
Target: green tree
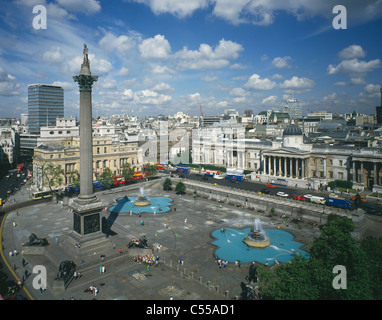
180	188
75	175
106	177
128	172
150	170
313	278
167	184
54	175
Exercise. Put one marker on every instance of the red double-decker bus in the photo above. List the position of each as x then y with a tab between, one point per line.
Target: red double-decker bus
138	175
20	166
119	179
159	166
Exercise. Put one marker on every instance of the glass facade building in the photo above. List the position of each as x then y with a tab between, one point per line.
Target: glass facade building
45	104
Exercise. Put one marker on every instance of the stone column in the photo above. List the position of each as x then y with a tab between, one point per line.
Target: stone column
285	166
280	173
375	174
291	166
302	168
354	178
86	208
361	172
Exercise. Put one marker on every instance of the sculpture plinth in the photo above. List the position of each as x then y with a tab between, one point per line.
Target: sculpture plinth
87	207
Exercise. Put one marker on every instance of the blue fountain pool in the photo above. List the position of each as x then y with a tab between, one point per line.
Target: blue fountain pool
232	247
158	205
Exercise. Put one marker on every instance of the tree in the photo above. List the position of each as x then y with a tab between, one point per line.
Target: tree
54	175
167	184
150	170
128	172
106	177
313	278
180	188
75	175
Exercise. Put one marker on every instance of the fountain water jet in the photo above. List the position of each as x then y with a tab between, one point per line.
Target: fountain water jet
142	200
257	238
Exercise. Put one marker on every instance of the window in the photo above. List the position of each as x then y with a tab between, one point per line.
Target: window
341	163
97	150
104	150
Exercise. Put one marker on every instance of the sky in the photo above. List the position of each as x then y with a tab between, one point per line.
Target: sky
165	56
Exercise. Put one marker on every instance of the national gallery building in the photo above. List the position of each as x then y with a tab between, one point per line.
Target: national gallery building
288	161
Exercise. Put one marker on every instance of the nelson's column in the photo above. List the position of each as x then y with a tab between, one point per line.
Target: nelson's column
87	207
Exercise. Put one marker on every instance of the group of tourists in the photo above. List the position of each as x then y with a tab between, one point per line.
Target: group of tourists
149	259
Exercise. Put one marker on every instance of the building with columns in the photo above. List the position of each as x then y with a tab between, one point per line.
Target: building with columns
289	161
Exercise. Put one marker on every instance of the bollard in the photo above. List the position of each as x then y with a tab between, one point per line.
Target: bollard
184	271
209	284
170	263
192	274
200	279
226	294
217	289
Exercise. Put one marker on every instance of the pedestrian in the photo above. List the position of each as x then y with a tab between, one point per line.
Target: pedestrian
180	260
185	221
174	209
56	239
103	269
75	275
83	263
23	262
120	251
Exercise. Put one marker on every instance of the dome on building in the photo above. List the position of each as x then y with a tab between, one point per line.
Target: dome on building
292	130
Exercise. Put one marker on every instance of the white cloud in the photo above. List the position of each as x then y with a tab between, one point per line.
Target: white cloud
155	48
54	55
209	79
68	86
178	8
354	66
87	6
269	100
8	84
372	88
281	62
123	43
255	82
162	70
351	52
296	84
122	72
207	57
238	92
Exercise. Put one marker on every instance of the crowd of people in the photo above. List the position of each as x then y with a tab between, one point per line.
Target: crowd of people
149	259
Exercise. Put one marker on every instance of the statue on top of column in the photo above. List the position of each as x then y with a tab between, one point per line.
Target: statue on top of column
86	58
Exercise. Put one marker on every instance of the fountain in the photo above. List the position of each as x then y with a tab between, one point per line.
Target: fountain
142	200
257	238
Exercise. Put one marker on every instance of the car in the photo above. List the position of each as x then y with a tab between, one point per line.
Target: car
269	185
205	178
9	192
282	194
218	176
363	199
266	191
299	198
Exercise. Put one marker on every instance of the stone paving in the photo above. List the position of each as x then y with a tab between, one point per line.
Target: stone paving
198	278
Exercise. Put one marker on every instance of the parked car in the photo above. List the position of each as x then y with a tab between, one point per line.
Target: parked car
282	194
299	198
269	185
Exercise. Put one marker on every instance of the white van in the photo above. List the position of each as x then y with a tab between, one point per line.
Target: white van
319	200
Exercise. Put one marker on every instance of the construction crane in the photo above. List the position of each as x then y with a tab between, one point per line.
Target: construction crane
201	111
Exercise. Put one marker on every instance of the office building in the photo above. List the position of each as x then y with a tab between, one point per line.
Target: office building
45	105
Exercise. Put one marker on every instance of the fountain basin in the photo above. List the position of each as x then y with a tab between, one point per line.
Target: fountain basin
142	202
231	246
127	205
252	243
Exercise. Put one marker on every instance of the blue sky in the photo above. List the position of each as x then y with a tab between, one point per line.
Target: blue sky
164	56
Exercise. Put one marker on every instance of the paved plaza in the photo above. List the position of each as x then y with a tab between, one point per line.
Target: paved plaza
184	232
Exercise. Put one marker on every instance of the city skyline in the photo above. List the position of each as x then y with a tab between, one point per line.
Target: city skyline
161	57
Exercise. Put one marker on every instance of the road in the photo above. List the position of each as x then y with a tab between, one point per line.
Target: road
258	187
